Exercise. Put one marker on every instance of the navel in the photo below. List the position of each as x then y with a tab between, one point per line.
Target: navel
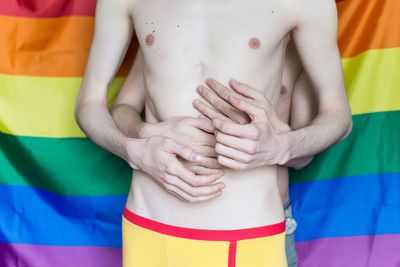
254	43
149	40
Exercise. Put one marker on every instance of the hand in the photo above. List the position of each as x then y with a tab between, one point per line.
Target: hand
157	156
221	109
246	146
196	133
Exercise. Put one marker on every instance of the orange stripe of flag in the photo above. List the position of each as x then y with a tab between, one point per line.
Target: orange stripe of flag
58	47
368	24
52	47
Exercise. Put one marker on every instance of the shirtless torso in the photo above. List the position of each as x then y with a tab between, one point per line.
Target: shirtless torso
183	43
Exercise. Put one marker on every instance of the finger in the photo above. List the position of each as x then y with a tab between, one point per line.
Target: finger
244	145
207	110
223	91
209	162
231	163
193	191
184	152
182	195
206	151
246	90
248	131
203	170
249	91
204	124
222	106
177	169
254	112
233	153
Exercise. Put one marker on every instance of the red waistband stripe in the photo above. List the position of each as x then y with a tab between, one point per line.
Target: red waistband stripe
202	234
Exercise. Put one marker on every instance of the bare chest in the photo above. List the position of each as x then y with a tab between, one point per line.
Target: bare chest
167	29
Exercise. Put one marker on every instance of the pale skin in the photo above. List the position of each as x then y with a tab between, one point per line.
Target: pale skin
191	42
129	104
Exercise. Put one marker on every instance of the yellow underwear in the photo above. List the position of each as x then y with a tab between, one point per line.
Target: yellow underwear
147	243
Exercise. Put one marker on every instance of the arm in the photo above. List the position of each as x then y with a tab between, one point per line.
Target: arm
129	103
104	59
195	133
297	104
157	156
303	110
315	38
266	140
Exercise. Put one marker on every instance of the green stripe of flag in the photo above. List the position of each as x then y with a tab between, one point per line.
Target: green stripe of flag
68	166
372	147
75	166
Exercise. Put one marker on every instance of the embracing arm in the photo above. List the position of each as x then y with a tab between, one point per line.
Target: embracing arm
267	140
192	132
129	103
315	38
303	109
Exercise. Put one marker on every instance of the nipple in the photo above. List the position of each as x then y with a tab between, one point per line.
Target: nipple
254	43
149	40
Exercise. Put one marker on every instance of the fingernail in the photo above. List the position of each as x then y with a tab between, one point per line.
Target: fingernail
199	89
196	103
218	194
198	157
222	187
202	117
209	80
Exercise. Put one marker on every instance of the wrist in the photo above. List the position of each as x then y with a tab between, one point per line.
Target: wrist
132	151
147	130
293	142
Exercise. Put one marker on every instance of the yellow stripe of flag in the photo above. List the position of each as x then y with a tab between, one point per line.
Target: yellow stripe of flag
43	107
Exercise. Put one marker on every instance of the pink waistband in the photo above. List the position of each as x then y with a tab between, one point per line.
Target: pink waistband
201	234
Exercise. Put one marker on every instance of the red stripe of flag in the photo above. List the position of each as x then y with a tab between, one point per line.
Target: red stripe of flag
47	8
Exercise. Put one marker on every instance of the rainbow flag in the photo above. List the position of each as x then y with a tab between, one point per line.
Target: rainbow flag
347	202
61	197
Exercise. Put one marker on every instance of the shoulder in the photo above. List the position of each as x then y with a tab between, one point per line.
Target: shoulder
315	9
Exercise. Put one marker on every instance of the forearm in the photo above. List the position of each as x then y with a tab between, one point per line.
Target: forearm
130	122
328	128
97	123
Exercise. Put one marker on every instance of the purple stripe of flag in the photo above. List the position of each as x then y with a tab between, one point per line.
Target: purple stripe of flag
352	251
23	255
